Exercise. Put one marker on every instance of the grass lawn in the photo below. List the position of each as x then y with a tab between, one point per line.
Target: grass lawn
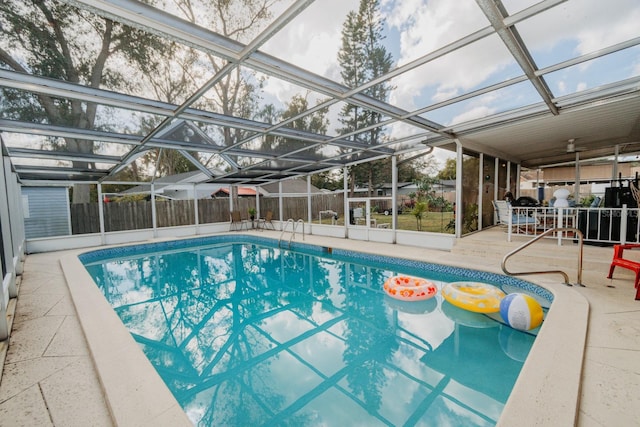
431	221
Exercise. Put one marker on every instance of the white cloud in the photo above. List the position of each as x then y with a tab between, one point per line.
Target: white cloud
448	76
583	25
445	94
575	27
474	113
428	26
600	33
635	70
562	87
311	41
589	24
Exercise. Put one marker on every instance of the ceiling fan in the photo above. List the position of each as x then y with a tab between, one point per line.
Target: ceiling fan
572	148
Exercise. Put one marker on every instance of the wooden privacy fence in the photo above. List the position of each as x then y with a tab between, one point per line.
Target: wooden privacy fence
121	216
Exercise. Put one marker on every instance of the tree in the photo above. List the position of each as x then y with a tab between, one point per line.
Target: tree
329	180
316	122
163	161
60	41
449	169
418	210
362	58
425	186
237	93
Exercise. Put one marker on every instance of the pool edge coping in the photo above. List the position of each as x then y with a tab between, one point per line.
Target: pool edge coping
546	393
134	392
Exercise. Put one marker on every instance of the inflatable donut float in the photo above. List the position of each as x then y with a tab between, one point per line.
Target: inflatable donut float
408	288
474	296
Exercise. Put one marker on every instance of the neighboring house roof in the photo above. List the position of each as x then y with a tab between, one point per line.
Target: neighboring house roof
242	191
389	186
166	183
290	186
446	184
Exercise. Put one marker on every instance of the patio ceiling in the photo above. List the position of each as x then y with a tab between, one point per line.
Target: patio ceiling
516	79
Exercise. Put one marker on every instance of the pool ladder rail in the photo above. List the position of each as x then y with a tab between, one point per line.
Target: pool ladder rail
294	226
538	237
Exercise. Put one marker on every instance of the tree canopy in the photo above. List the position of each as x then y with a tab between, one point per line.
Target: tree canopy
363	57
449	169
60	41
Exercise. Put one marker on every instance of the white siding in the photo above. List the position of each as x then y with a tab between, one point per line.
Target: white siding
48	213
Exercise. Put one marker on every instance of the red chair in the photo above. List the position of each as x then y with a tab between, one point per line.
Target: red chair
619	261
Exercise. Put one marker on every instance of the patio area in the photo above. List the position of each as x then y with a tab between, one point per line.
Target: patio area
127	121
49	378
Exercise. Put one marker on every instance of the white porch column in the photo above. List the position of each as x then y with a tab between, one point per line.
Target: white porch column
281	210
518	169
394	195
496	180
257	202
496	186
576	187
614	168
309	213
345	186
153	210
458	209
480	192
101	213
195	207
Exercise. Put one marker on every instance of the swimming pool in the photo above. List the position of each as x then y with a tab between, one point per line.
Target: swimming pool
307	336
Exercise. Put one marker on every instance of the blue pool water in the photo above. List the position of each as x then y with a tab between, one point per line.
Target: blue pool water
246	334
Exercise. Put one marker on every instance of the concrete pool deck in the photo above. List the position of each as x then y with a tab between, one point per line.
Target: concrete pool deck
54	376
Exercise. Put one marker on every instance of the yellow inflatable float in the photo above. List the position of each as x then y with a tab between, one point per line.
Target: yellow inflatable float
473	296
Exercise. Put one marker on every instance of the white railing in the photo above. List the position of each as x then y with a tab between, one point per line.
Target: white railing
598	225
294	226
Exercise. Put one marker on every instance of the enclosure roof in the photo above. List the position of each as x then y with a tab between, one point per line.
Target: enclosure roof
526	81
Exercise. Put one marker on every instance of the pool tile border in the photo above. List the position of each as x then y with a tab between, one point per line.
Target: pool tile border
476	275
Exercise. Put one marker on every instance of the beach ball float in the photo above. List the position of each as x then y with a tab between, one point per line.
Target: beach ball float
521	311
